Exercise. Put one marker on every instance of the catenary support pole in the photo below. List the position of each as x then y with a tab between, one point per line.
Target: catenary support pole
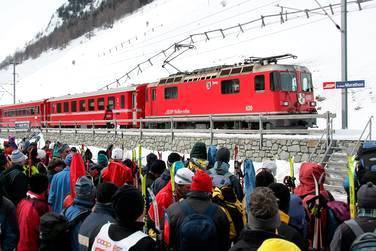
344	62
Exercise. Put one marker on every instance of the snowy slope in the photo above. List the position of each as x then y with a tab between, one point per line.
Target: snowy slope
87	65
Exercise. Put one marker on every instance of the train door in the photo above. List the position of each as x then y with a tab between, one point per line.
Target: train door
153	102
134	107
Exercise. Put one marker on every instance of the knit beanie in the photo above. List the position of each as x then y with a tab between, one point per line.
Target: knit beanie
157	166
367	196
84	189
201	181
264	179
102	159
283	195
172	158
184	176
128	204
150	158
223	155
62	148
199	151
117	154
68	159
18	157
105	191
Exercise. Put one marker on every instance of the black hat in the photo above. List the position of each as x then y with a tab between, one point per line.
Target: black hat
223	155
157	166
199	151
367	196
173	157
283	195
128	204
264	178
38	183
150	158
105	191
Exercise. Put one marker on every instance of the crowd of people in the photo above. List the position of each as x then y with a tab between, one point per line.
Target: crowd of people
58	198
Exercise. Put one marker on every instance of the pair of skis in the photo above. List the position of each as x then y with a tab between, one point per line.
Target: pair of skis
317	234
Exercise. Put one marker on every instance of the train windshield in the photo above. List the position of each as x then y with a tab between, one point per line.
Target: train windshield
283	81
306	80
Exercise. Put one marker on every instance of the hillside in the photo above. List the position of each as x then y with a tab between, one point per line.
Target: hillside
86	64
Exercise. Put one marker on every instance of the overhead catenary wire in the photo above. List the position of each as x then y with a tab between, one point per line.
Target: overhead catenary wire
190	39
326	13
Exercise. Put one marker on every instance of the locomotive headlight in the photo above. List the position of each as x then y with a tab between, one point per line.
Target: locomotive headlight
285	103
312	103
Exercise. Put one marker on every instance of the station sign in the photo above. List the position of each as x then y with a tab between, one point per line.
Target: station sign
344	84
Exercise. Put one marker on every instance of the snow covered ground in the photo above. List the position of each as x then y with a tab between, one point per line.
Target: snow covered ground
86	65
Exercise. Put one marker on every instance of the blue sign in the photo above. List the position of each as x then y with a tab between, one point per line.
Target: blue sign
350	84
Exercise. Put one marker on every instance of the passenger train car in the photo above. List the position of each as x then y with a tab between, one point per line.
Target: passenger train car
259	85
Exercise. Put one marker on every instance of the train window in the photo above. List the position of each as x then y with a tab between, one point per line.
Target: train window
153	94
207	77
58	108
82	105
177	79
111	103
283	81
230	86
195	79
66	107
134	100
170	80
122	101
247	69
100	104
306	80
259	83
162	81
91	104
32	111
225	72
74	106
171	92
213	76
202	78
236	70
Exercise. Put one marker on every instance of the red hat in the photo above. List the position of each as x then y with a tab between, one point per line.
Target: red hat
201	181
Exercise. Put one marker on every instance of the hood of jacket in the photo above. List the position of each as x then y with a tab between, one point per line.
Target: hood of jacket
221	168
307	183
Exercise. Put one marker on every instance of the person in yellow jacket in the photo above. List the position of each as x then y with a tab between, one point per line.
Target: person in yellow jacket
275	244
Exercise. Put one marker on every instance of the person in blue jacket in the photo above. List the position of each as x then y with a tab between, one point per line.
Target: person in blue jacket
60	186
8	225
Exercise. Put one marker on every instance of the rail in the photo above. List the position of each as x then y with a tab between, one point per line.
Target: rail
90	125
368	137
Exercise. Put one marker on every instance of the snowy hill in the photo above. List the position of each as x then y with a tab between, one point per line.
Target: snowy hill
89	64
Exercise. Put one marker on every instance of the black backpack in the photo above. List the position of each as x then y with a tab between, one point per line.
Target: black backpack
54	231
197	231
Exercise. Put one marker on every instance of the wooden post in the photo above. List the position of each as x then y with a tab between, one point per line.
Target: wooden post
260	131
141	130
211	129
172	129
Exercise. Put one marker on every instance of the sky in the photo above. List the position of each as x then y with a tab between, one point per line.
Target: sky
21	20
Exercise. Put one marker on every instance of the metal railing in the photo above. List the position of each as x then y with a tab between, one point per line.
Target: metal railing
368	136
91	125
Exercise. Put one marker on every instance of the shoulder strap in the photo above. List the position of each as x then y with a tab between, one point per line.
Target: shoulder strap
132	239
79	217
354	226
210	210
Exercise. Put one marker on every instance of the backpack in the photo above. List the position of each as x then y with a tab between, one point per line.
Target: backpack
7	180
197	231
363	241
233	209
54	230
367	156
221	180
338	212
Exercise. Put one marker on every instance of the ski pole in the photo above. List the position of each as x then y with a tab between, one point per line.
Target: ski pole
351	164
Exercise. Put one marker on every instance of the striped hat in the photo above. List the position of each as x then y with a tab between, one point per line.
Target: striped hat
18	157
184	176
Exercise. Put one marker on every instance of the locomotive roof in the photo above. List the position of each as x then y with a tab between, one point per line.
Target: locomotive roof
96	93
31	103
227	70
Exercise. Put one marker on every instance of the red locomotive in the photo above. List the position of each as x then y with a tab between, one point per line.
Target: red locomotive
259	85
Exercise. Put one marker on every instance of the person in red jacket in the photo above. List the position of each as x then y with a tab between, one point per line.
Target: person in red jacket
29	211
117	172
165	197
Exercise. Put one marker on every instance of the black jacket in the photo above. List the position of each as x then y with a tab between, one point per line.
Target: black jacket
291	234
344	236
161	181
90	227
251	240
14	183
198	201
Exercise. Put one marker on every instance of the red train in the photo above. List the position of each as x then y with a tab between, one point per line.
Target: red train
260	85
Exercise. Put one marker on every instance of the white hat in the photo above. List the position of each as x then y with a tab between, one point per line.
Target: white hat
184	176
271	166
117	154
41	154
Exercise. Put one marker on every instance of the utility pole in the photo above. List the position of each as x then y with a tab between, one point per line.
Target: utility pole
344	62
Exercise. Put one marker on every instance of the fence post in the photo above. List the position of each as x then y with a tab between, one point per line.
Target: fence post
172	129
115	128
370	127
328	129
93	132
8	128
141	129
260	130
60	128
211	129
